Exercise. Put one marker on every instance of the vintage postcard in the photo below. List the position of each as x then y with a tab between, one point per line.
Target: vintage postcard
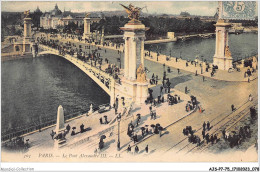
140	81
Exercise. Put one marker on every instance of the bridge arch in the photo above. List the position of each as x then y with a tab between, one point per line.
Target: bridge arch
104	80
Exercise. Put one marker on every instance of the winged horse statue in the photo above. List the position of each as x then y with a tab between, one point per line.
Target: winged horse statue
133	12
27	13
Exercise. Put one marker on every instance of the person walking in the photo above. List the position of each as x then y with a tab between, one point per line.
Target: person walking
52	134
224	134
161	89
129	149
203	134
136	149
250	98
146	149
204	126
207	138
232	108
212	139
215	138
68	128
208	125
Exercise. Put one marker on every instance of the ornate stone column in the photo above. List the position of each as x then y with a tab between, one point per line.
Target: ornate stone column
27	28
27	34
87	21
102	36
126	60
142	50
222	57
134	82
134	35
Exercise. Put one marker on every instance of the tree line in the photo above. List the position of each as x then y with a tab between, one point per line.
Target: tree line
159	26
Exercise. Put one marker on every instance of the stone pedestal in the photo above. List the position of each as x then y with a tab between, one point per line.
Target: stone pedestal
86	28
138	91
222	57
58	143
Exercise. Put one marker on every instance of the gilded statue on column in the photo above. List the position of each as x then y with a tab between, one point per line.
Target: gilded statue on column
141	75
86	15
133	12
227	52
26	13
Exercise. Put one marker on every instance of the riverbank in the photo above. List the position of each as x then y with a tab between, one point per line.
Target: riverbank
14	56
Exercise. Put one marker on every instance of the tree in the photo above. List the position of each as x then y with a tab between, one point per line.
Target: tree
36	18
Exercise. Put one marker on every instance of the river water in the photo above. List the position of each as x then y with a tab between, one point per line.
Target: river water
33	89
241	46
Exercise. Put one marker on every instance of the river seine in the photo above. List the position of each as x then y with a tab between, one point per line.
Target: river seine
241	46
32	89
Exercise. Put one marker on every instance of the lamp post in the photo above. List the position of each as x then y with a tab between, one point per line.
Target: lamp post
118	120
157	50
120	59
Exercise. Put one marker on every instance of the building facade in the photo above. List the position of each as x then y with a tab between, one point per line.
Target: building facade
55	18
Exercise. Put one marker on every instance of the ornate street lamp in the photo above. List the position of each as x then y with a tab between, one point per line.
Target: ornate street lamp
118	118
120	59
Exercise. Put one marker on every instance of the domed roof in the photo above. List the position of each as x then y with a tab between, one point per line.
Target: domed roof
38	10
56	11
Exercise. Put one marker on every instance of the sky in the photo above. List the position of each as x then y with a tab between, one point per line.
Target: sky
205	8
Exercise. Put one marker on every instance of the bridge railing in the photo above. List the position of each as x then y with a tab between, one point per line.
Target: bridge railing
43	123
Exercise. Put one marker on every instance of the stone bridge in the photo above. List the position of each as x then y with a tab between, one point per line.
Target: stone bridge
104	80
